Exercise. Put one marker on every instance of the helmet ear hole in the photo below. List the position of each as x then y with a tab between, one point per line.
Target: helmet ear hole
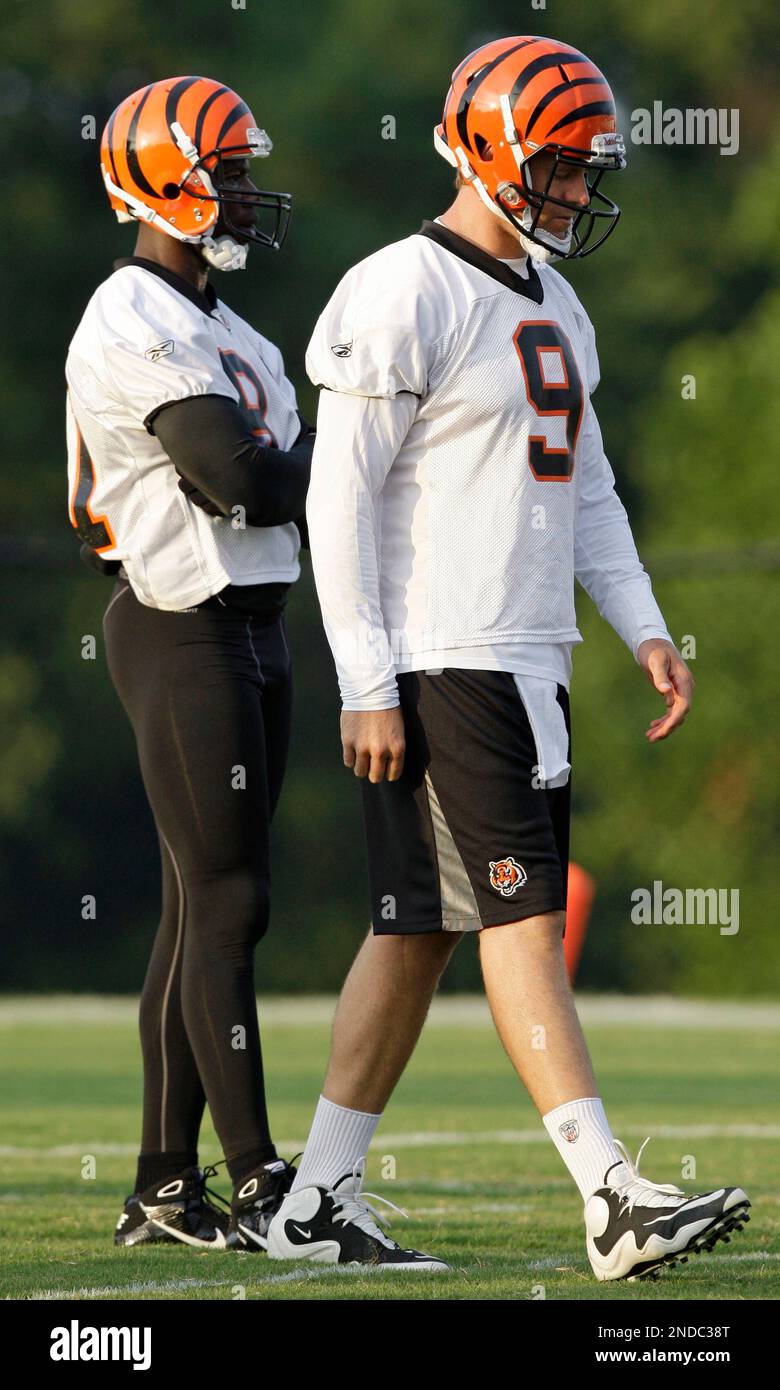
170	191
484	147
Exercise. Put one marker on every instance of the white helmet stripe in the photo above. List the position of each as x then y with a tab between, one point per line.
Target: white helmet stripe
510	131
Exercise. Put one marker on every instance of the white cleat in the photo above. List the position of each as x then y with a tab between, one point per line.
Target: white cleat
337	1226
636	1226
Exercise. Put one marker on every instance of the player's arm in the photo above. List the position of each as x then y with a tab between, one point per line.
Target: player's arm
212	448
608	567
371	350
358	439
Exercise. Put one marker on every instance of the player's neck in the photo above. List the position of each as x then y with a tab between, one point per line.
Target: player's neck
176	256
469	218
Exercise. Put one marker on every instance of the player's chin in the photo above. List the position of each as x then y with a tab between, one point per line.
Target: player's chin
243	235
558	227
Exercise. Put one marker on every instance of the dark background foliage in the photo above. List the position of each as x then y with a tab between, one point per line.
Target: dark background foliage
687	286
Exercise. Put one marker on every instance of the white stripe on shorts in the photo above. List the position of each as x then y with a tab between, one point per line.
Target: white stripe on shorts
459	910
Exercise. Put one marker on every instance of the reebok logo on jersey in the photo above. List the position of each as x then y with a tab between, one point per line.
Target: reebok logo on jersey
570	1131
153	354
343	349
506	876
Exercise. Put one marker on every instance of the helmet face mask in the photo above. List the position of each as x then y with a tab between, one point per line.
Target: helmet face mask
216	185
531	203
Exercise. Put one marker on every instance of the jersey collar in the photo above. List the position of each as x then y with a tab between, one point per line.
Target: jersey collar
206	300
531	288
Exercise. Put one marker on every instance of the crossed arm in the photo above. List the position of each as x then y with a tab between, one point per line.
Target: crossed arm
221	465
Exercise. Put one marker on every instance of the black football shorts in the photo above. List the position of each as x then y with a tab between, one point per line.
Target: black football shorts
466	838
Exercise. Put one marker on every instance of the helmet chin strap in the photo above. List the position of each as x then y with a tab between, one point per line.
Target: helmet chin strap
223	253
556	247
554	251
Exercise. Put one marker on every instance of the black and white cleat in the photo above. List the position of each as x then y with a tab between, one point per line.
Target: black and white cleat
339	1226
636	1227
175	1210
256	1200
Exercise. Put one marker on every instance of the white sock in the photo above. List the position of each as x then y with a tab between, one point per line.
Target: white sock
337	1139
583	1138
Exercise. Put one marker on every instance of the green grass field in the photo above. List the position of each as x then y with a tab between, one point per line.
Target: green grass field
474	1168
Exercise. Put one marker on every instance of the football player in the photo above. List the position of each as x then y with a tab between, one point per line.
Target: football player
188	470
459	457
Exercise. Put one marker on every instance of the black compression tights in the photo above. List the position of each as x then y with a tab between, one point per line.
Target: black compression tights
208	694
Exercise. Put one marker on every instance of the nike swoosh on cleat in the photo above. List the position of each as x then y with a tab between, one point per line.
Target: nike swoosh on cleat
306	1234
217	1243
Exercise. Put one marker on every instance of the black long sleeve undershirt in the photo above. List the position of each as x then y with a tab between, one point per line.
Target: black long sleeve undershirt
211	446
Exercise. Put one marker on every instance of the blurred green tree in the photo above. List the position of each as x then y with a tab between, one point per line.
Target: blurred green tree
688	286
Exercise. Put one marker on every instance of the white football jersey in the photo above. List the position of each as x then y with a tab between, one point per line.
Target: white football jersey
147	339
496	491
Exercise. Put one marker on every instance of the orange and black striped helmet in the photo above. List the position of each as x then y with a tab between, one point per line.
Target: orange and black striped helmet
512	99
163	156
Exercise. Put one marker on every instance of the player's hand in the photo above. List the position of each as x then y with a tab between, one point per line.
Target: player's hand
667	671
198	498
373	742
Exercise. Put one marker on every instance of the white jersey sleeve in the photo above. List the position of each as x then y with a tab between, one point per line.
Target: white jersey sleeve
375	337
371	349
156	347
606	562
357	442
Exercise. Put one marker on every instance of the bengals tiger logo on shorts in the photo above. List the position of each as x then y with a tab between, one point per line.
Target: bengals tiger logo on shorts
507	876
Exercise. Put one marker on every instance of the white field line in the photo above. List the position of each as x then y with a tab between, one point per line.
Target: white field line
183	1285
474	1209
421	1139
150	1286
302	1272
446	1011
